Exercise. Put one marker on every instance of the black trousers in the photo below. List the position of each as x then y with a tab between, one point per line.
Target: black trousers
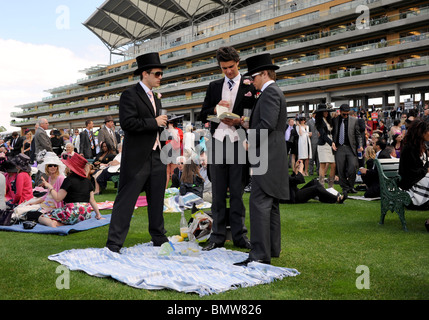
226	174
314	189
151	179
104	176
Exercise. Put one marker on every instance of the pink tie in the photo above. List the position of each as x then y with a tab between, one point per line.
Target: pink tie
150	94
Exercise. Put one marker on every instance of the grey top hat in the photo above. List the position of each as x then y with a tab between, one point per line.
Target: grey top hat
108	118
148	61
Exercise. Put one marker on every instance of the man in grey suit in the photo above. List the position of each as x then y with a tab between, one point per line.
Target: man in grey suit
266	138
107	134
347	141
41	138
314	138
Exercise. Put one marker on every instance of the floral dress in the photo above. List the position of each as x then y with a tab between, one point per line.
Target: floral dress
76	204
72	213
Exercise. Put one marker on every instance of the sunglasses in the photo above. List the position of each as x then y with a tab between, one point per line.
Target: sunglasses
52	165
158	74
253	76
66	156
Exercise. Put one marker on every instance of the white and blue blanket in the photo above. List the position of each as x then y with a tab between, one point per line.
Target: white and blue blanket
141	266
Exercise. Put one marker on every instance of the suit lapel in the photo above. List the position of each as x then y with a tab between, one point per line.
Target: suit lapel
142	94
240	94
218	90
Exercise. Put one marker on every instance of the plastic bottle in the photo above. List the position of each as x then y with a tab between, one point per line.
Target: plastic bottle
183	226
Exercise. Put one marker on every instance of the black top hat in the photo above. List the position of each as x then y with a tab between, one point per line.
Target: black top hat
345	107
259	63
148	61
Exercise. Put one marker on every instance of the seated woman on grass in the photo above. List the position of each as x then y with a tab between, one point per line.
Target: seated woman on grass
311	190
54	170
76	192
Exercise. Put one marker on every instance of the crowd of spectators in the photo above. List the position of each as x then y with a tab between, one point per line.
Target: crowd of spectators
26	173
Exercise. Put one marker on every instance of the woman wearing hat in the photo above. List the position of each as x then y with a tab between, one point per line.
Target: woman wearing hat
324	145
54	169
22	186
76	192
304	143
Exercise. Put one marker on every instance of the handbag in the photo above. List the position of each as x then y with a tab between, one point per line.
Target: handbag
6	217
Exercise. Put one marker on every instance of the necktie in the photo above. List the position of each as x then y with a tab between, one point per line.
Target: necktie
231	84
341	139
91	139
152	100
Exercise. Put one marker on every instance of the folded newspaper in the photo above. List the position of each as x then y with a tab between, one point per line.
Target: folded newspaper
222	113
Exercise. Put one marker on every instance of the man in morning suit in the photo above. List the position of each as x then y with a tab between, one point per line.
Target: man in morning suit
268	127
227	173
141	166
87	145
347	141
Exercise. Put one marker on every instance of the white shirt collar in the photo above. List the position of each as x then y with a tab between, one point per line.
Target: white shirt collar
236	79
145	87
266	84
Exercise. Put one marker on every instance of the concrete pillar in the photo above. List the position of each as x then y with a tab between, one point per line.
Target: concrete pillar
328	97
192	117
422	99
306	109
365	102
385	100
397	96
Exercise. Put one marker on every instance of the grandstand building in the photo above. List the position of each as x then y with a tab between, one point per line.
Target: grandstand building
332	51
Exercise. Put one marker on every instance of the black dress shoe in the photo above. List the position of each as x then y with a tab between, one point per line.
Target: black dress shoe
352	190
114	249
245	245
248	260
159	243
212	246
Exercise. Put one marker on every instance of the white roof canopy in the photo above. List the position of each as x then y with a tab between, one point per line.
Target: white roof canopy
121	22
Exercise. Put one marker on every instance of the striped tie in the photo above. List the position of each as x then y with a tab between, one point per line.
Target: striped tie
231	84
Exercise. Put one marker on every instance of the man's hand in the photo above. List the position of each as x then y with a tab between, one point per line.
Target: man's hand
232	122
161	120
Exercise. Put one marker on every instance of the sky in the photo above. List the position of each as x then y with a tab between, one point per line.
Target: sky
44	45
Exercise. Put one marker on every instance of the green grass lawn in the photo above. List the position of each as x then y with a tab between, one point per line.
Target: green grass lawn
325	242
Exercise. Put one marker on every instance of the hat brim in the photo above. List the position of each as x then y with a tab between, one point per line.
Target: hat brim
61	166
79	171
321	110
148	67
260	68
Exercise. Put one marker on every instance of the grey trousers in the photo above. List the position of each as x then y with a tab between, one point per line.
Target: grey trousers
347	165
265	229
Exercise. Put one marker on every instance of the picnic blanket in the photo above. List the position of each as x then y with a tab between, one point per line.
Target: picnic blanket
363	198
142	267
174	202
108	205
63	230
